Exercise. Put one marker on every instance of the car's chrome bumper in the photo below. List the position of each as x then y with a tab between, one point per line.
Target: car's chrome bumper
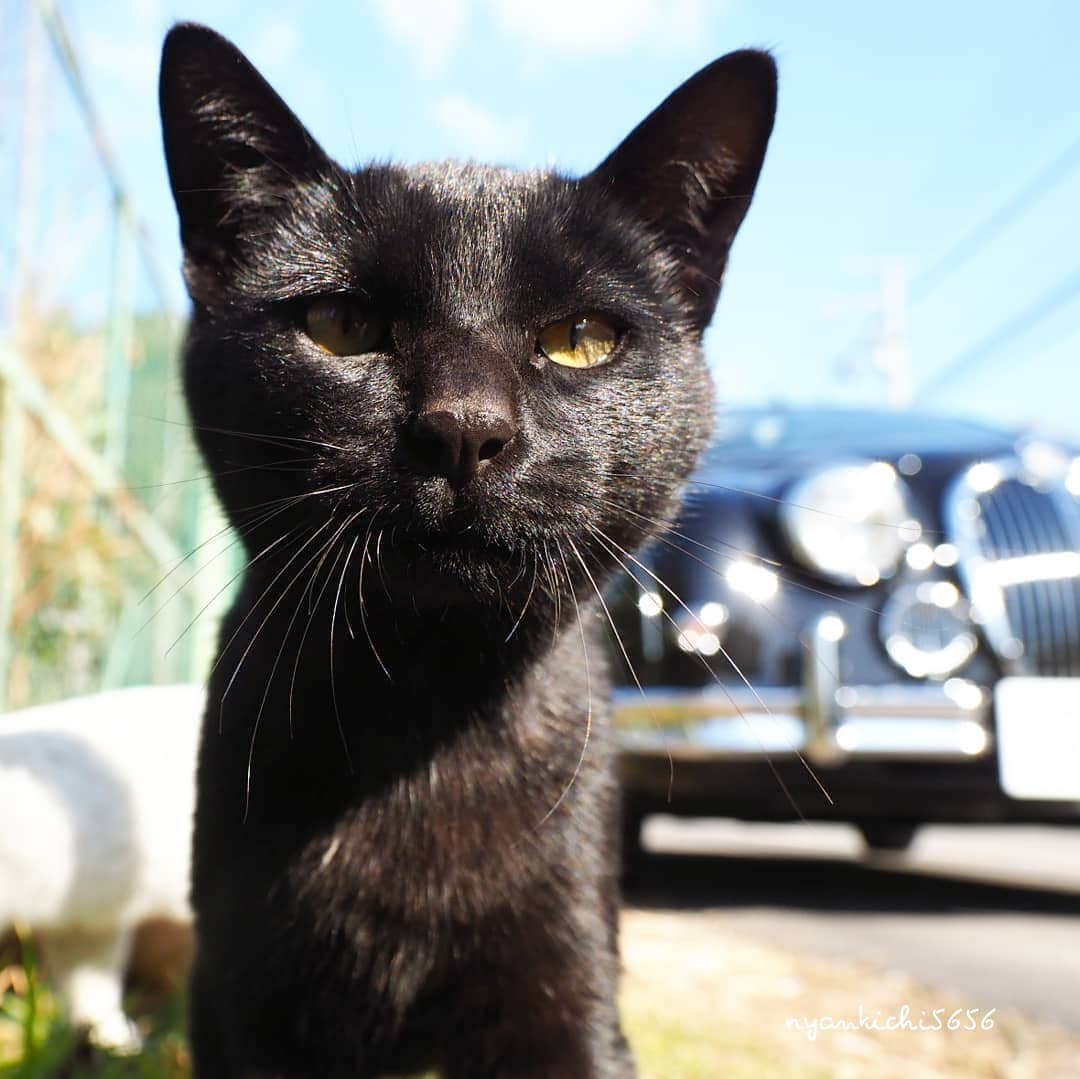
823	719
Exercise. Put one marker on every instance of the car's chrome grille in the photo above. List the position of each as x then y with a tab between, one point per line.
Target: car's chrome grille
1020	561
1044	614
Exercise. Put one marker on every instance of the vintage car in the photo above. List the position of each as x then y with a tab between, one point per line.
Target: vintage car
862	616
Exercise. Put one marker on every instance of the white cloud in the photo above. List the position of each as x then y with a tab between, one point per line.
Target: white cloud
121	65
477	131
600	27
275	44
429	29
147	13
131	60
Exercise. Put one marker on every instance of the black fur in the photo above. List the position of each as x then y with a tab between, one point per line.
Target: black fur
402	857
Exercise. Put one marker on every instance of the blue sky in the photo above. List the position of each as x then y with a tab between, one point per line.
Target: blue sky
900	128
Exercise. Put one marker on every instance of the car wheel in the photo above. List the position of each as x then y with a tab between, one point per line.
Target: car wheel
888	835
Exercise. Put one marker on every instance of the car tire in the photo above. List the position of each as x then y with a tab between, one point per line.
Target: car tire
888	835
633	851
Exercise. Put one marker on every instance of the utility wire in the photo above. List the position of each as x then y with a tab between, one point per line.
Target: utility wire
1031	316
976	238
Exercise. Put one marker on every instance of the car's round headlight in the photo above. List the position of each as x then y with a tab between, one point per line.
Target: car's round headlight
926	629
850	522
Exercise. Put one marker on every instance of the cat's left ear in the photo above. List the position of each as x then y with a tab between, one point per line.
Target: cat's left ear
689	168
233	147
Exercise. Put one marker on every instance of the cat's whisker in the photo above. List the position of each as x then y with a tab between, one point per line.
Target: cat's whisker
652	524
312	608
253	517
379	562
185	558
655	522
519	573
288	535
762	606
734	666
294	498
291	501
723	652
277	441
704	663
267	466
173	487
318	569
204	565
588	696
333	684
625	654
255	606
242	532
778	500
256	520
254	435
556	592
277	659
894	525
345	609
528	598
363	607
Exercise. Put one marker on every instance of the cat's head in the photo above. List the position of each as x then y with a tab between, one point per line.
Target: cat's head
479	365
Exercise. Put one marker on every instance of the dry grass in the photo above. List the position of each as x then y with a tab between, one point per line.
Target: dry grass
78	568
69	589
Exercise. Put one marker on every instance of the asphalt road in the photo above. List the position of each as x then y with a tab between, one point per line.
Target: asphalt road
993	913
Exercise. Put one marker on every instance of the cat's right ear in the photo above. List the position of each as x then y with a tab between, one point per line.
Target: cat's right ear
689	169
232	146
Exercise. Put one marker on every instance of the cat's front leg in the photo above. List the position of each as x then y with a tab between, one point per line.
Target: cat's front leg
542	1027
209	1059
571	1053
88	967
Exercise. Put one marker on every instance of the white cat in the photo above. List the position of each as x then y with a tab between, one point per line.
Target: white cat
96	798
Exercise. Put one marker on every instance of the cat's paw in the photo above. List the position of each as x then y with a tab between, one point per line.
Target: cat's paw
115	1033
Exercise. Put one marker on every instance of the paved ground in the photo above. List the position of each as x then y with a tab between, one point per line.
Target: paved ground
991	912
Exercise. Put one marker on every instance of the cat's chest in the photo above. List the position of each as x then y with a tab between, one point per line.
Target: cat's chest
449	847
397	801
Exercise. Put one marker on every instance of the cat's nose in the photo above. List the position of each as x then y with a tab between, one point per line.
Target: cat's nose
457	445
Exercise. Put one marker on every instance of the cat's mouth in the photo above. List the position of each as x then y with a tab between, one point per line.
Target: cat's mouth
461	548
476	526
441	572
458	559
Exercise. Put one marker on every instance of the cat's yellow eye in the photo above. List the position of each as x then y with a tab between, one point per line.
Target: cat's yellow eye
582	341
339	325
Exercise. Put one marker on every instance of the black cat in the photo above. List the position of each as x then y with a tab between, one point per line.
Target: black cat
440	404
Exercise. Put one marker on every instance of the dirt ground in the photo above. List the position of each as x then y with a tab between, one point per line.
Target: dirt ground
699	1002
